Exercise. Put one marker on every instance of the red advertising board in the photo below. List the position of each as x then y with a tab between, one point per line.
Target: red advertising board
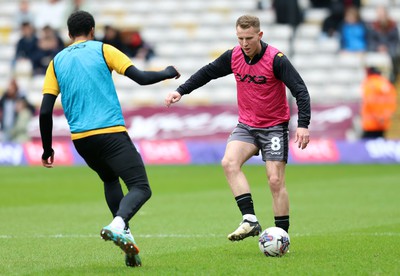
62	149
317	151
212	122
164	152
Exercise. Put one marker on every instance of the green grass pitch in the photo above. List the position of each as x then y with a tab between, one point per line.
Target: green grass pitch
345	220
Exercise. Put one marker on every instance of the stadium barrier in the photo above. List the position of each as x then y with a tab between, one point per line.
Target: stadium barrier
162	152
213	122
197	135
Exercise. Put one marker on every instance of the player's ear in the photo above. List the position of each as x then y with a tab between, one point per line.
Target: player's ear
260	35
92	33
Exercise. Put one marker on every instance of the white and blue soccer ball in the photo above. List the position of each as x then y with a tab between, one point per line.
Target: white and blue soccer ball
274	242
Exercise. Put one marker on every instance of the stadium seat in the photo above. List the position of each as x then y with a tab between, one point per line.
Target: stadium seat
5	69
306	46
23	67
315	16
278	31
7	53
346	76
308	30
376	2
350	60
329	45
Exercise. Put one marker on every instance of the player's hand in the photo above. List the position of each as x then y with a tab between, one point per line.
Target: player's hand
173	71
302	137
48	159
178	75
172	97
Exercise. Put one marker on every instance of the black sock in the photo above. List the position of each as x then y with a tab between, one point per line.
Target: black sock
245	204
282	222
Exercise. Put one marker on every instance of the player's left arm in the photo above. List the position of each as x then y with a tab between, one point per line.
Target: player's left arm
150	77
46	128
118	61
285	71
50	93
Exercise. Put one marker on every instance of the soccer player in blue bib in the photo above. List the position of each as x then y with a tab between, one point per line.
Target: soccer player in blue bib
82	75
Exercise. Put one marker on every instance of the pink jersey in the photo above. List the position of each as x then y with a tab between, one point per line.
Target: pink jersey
261	97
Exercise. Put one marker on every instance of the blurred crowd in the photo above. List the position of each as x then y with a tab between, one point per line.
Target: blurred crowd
15	114
345	23
358	36
40	38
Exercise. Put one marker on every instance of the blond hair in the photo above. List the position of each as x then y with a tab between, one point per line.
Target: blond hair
248	21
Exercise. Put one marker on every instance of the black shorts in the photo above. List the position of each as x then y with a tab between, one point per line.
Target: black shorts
112	155
272	141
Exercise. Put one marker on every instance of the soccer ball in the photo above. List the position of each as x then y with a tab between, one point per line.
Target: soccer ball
274	242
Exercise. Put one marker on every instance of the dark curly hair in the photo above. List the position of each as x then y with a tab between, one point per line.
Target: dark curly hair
80	23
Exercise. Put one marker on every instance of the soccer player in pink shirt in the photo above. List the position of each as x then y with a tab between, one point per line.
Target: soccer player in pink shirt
262	74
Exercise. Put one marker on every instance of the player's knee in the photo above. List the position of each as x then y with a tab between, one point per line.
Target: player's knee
224	162
229	165
111	182
275	184
147	192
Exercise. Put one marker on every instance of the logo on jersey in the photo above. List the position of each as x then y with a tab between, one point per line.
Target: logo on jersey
251	79
74	47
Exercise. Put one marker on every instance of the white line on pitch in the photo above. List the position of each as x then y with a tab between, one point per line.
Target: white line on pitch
151	236
182	236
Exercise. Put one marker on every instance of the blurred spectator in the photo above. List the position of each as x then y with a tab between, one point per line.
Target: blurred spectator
24	14
288	12
23	115
331	24
50	13
27	45
383	37
136	46
8	111
353	32
379	104
320	3
112	36
49	44
130	42
261	4
350	3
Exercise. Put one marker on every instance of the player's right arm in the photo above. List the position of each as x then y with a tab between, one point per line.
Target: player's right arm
172	97
216	69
